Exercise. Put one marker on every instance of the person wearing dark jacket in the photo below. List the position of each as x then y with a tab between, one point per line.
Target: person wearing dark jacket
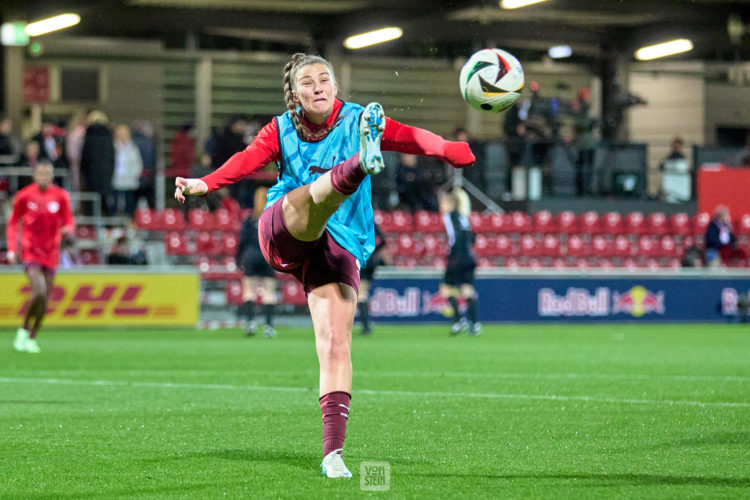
721	241
256	272
98	159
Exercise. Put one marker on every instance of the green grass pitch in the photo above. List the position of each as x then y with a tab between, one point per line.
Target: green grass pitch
553	411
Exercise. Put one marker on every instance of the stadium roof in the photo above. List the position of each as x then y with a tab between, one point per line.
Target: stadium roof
431	28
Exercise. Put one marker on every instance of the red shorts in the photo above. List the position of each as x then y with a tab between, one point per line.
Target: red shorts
313	263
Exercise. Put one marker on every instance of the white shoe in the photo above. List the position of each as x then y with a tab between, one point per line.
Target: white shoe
268	331
459	326
22	337
333	465
32	346
476	329
371	126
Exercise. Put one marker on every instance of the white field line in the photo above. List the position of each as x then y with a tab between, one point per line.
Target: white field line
468	374
418	394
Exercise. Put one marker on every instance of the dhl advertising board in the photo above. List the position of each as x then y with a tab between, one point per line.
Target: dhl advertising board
556	298
107	299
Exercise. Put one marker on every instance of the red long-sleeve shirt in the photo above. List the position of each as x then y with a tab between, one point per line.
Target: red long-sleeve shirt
396	137
43	215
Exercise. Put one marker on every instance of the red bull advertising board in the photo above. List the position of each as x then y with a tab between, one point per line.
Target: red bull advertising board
536	297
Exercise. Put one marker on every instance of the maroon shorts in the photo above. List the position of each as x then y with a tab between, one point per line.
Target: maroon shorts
47	271
313	263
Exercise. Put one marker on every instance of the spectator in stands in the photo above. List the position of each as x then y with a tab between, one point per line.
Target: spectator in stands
693	257
411	182
721	242
74	148
318	221
51	141
45	215
10	143
182	153
69	254
236	136
365	280
121	254
98	159
143	137
458	281
257	272
675	152
585	140
742	157
127	174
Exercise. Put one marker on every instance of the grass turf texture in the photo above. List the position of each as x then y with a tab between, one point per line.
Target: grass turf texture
523	411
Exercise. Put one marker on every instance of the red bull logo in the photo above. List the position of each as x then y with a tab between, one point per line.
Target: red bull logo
638	301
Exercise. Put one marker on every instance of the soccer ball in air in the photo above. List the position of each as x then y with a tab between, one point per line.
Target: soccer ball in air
491	80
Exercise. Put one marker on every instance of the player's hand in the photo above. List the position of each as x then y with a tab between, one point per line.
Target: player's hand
459	154
66	232
11	257
188	186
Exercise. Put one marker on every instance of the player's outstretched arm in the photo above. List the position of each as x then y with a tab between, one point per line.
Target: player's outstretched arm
414	140
185	186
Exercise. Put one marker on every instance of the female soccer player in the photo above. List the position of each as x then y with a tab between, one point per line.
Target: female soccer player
459	270
256	271
45	214
318	221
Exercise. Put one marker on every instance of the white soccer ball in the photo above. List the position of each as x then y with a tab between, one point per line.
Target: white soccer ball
491	80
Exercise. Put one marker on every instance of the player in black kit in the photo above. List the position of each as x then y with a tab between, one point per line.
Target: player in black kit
458	281
365	279
256	272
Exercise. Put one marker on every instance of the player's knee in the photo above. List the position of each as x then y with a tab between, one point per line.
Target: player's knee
336	345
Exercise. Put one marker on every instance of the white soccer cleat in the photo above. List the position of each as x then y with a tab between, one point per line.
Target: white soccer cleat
476	329
268	331
32	346
333	465
371	127
460	326
22	337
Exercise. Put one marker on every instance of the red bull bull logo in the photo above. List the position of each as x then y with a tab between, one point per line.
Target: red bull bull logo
638	301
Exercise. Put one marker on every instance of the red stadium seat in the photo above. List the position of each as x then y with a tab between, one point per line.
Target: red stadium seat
567	222
200	219
234	293
225	220
428	222
484	246
520	223
622	247
485	263
229	243
544	222
550	246
601	246
172	220
204	243
176	244
668	247
403	222
85	232
408	246
146	219
577	247
89	256
700	223
612	223
680	224
590	223
530	246
635	223
504	246
656	224
384	220
292	293
646	246
433	246
743	225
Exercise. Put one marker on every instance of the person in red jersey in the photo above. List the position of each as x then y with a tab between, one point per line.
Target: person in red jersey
45	214
318	222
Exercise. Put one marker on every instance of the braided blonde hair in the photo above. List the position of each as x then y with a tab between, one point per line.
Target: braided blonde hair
297	61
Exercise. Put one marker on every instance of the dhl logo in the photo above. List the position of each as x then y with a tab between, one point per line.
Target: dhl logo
110	299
